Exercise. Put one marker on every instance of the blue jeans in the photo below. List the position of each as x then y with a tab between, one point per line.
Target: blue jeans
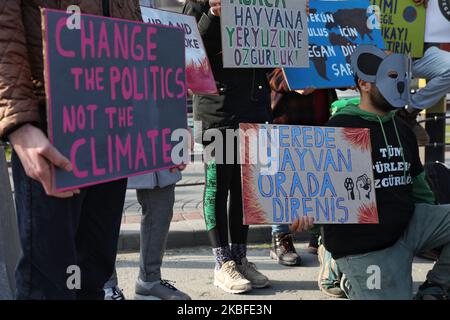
58	233
280	228
428	229
435	67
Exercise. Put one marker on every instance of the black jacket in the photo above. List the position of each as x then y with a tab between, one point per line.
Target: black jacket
244	93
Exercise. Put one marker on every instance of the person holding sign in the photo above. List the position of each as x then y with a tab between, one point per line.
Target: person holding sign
244	97
69	239
377	259
302	107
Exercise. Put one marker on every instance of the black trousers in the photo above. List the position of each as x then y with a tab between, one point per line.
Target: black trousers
222	202
60	236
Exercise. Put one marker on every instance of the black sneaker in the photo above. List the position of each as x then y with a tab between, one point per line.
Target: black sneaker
283	250
431	291
114	293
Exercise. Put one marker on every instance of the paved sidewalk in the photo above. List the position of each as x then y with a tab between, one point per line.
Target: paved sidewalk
192	271
188	227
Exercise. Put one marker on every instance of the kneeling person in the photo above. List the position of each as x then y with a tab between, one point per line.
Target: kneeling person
409	223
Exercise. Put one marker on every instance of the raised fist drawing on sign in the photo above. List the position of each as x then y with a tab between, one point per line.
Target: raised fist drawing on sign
364	186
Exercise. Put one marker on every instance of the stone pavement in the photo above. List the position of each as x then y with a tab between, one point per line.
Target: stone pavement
192	271
188	227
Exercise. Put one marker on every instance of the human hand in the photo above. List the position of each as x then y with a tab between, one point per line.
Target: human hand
181	167
306	92
421	2
37	155
302	224
215	7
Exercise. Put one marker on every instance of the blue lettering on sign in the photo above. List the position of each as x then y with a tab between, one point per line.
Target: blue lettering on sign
284	136
327	185
312	179
280	178
261	186
295	205
296	185
287	159
276	203
322	209
343	208
305	207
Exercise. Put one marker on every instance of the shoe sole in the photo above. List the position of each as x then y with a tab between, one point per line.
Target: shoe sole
283	263
261	286
221	286
147	298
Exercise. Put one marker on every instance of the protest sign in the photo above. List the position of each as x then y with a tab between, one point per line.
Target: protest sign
9	237
335	29
115	93
199	76
264	34
294	171
402	25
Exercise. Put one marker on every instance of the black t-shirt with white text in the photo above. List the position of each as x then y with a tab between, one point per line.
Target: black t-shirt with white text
393	184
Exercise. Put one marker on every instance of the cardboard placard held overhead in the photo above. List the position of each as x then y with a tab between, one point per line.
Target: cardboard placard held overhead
294	171
264	34
402	25
115	93
335	29
199	76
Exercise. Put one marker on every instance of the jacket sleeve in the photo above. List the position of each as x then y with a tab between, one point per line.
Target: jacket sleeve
208	25
422	192
18	104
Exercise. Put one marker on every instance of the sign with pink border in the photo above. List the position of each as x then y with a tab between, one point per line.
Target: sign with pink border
115	93
199	76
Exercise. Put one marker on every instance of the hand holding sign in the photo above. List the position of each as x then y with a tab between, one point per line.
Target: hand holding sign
36	154
421	2
215	7
302	224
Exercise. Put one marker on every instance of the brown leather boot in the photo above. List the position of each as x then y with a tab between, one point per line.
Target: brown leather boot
283	250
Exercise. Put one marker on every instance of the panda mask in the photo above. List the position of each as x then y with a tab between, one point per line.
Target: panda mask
388	72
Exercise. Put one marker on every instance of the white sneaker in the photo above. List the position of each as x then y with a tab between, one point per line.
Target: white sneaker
230	280
249	271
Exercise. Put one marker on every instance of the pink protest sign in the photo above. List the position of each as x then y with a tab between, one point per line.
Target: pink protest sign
115	93
294	171
199	76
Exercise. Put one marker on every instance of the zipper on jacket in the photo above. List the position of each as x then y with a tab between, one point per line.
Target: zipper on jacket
106	9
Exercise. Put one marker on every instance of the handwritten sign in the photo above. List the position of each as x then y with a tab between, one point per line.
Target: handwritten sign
402	25
335	29
115	93
199	76
293	171
264	34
